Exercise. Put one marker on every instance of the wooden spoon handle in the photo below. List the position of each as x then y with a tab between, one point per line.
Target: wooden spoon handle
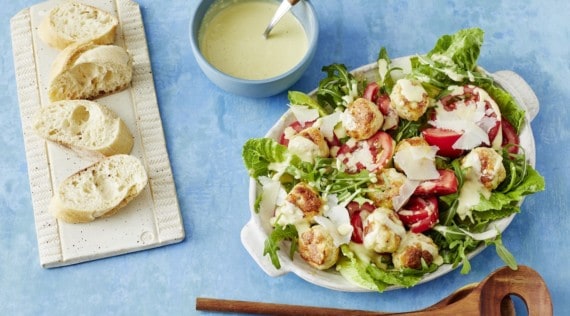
259	308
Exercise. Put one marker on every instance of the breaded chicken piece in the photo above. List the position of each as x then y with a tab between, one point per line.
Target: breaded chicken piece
413	248
306	199
316	247
362	119
388	184
409	99
486	165
383	231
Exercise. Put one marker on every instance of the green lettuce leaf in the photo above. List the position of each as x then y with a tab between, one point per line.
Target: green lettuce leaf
354	270
258	153
460	50
300	98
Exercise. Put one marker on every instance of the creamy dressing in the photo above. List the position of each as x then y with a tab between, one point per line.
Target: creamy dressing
304	148
231	40
413	92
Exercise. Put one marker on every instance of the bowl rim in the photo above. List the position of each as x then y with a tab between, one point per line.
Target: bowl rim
312	42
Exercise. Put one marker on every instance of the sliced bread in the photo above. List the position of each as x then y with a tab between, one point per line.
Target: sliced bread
84	126
72	22
99	190
88	71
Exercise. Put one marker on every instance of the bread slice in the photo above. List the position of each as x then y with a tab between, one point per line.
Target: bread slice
88	71
84	126
99	190
72	22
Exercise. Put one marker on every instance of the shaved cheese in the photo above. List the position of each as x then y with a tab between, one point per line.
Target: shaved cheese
348	121
336	221
361	155
271	189
406	191
288	132
472	137
417	162
472	120
463	119
304	114
327	124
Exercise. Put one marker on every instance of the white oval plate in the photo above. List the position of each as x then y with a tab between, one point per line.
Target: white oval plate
255	232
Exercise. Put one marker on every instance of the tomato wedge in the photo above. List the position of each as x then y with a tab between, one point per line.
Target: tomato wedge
371	92
420	213
445	184
444	140
357	215
510	137
379	148
470	97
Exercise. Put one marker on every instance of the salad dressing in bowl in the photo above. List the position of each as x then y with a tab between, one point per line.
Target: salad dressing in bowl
227	41
230	38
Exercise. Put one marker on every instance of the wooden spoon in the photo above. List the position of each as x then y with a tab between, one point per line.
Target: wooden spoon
489	297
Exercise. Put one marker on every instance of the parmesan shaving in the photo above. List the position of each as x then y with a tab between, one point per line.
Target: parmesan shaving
304	114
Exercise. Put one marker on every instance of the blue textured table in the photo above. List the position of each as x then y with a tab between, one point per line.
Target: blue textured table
206	127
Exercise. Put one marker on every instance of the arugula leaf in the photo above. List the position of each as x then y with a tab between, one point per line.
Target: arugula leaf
279	234
408	129
339	88
503	252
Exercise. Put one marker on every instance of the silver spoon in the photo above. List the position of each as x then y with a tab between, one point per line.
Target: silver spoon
285	6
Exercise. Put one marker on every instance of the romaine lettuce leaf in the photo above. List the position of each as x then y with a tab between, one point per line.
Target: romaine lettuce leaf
460	50
258	153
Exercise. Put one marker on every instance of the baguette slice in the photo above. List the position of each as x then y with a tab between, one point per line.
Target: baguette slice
72	22
88	71
84	126
99	190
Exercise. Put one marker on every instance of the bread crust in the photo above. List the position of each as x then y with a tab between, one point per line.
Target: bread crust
89	128
99	190
49	33
76	72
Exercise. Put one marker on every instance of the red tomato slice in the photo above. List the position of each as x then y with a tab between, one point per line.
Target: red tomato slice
371	92
444	140
420	213
381	148
510	137
357	214
471	96
445	184
283	140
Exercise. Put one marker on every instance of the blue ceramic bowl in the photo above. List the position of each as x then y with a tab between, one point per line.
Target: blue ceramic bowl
303	11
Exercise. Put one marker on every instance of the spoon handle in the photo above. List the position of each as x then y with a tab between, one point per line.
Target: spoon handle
260	308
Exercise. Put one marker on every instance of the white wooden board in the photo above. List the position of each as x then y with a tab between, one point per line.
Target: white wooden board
153	219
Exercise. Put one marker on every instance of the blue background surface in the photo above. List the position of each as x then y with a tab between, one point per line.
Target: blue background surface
206	127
